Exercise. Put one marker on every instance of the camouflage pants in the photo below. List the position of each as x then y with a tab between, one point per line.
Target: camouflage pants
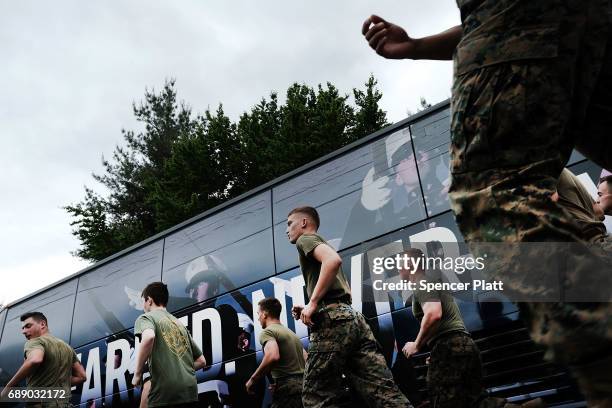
288	392
514	123
454	376
342	343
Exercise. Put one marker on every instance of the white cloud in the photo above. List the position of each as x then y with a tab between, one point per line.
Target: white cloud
21	280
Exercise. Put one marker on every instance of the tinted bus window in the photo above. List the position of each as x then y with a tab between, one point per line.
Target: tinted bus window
218	230
56	304
431	136
221	271
221	253
108	300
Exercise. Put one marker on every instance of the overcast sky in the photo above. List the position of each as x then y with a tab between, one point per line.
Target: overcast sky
71	70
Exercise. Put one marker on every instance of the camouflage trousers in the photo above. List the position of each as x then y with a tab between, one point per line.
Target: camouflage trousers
454	376
343	347
288	392
514	124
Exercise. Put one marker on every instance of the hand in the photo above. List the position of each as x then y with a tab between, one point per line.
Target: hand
272	387
296	311
409	349
137	379
249	386
387	39
374	193
307	312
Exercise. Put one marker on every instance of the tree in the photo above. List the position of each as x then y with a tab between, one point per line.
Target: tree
182	164
369	118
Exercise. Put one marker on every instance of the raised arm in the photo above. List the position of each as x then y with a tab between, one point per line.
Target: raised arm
391	41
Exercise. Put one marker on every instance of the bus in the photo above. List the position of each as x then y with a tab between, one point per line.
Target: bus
375	197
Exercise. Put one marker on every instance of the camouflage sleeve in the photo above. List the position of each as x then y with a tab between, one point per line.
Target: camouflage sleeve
31	345
195	350
142	323
307	243
266	336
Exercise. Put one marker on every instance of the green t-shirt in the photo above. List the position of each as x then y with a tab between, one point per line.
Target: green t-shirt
290	348
173	378
451	320
311	268
56	369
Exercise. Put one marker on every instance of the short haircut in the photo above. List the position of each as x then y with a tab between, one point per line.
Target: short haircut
158	291
608	181
310	212
37	316
271	306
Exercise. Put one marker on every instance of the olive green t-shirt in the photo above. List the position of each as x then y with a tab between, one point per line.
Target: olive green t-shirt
575	198
290	348
56	369
311	268
451	320
173	378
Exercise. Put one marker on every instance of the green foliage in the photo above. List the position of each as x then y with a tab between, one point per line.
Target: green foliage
182	164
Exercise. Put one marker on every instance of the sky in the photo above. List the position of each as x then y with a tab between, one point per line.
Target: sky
71	71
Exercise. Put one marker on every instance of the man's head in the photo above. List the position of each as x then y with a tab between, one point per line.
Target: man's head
301	220
155	294
269	311
604	193
411	271
34	325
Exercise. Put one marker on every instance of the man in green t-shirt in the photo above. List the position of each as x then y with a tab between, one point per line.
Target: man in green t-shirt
170	351
284	357
341	341
454	374
49	361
